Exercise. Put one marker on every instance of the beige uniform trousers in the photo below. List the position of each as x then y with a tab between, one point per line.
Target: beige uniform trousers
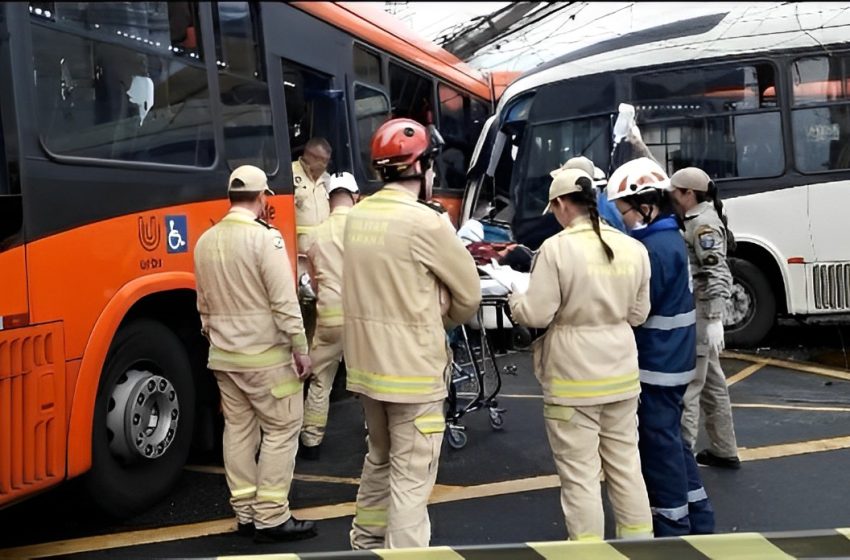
398	474
587	441
255	419
708	391
325	355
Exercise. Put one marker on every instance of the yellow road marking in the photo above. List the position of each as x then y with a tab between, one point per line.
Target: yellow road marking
793	407
791	449
743	374
788	364
212	469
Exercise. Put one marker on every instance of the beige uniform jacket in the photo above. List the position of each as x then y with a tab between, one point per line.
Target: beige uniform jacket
246	295
588	355
311	204
325	256
397	253
705	235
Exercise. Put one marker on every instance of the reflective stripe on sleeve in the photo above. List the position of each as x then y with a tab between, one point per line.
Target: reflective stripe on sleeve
315	419
568	388
662	323
664	379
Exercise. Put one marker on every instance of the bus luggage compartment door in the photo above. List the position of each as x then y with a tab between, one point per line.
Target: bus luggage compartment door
32	410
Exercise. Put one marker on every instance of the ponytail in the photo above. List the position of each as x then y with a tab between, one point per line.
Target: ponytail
587	198
714	196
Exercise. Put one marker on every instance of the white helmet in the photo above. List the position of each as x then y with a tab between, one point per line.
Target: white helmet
636	176
344	180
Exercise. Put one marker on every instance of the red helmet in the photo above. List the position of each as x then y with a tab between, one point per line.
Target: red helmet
399	143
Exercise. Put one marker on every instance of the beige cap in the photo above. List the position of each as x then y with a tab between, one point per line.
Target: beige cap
692	178
248	178
579	162
565	182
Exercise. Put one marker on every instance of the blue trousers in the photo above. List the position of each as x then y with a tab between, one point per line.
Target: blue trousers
678	500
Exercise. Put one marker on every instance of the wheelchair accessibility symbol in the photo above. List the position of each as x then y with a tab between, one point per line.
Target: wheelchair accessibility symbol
176	237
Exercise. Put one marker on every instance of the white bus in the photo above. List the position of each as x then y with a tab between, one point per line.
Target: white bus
758	97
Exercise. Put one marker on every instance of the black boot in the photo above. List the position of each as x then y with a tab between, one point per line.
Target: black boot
706	457
291	530
245	529
308	452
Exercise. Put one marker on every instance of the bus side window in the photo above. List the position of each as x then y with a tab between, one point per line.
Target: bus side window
314	109
367	65
246	109
128	95
411	94
723	119
820	118
371	108
454	159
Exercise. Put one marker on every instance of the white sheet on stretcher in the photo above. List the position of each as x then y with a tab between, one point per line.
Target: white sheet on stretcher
498	282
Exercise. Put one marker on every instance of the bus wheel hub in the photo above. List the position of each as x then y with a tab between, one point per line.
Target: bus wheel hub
739	306
142	417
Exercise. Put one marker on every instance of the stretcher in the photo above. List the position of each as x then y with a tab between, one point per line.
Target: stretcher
476	376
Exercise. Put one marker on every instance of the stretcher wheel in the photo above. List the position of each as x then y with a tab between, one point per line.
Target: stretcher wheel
496	420
457	438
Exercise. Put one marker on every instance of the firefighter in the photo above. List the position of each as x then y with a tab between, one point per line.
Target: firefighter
666	345
325	269
398	254
589	285
708	237
258	353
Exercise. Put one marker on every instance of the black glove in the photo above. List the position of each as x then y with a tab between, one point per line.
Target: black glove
519	258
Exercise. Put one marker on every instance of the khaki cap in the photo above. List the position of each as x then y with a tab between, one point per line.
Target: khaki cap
248	178
566	182
692	178
579	162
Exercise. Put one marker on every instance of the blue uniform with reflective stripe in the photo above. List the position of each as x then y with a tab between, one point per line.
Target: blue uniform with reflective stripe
666	345
667	340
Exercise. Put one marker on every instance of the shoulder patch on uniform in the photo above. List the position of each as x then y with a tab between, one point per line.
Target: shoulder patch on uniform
264	224
708	240
297	180
710	260
277	242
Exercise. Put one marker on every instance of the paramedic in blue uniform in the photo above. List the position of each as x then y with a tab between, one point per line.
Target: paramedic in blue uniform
666	345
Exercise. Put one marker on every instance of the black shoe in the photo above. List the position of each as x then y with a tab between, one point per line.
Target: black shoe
245	529
308	452
291	530
706	457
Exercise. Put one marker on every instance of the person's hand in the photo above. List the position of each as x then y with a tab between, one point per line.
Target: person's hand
715	334
303	365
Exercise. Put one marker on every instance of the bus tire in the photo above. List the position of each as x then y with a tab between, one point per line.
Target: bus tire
143	419
751	312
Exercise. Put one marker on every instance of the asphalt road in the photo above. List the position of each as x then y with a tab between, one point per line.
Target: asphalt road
501	487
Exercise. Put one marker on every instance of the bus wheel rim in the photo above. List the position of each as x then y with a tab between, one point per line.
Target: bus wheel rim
740	306
143	416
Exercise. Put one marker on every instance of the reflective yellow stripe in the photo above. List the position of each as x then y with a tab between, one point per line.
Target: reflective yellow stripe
558	412
243	492
371	517
271	357
589	537
315	419
329	312
305	229
286	388
738	545
596	387
640	531
272	495
392	383
430	423
235	217
299	342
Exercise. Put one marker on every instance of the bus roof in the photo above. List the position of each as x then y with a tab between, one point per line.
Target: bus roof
738	30
379	29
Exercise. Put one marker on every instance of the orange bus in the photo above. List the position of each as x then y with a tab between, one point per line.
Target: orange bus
119	124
